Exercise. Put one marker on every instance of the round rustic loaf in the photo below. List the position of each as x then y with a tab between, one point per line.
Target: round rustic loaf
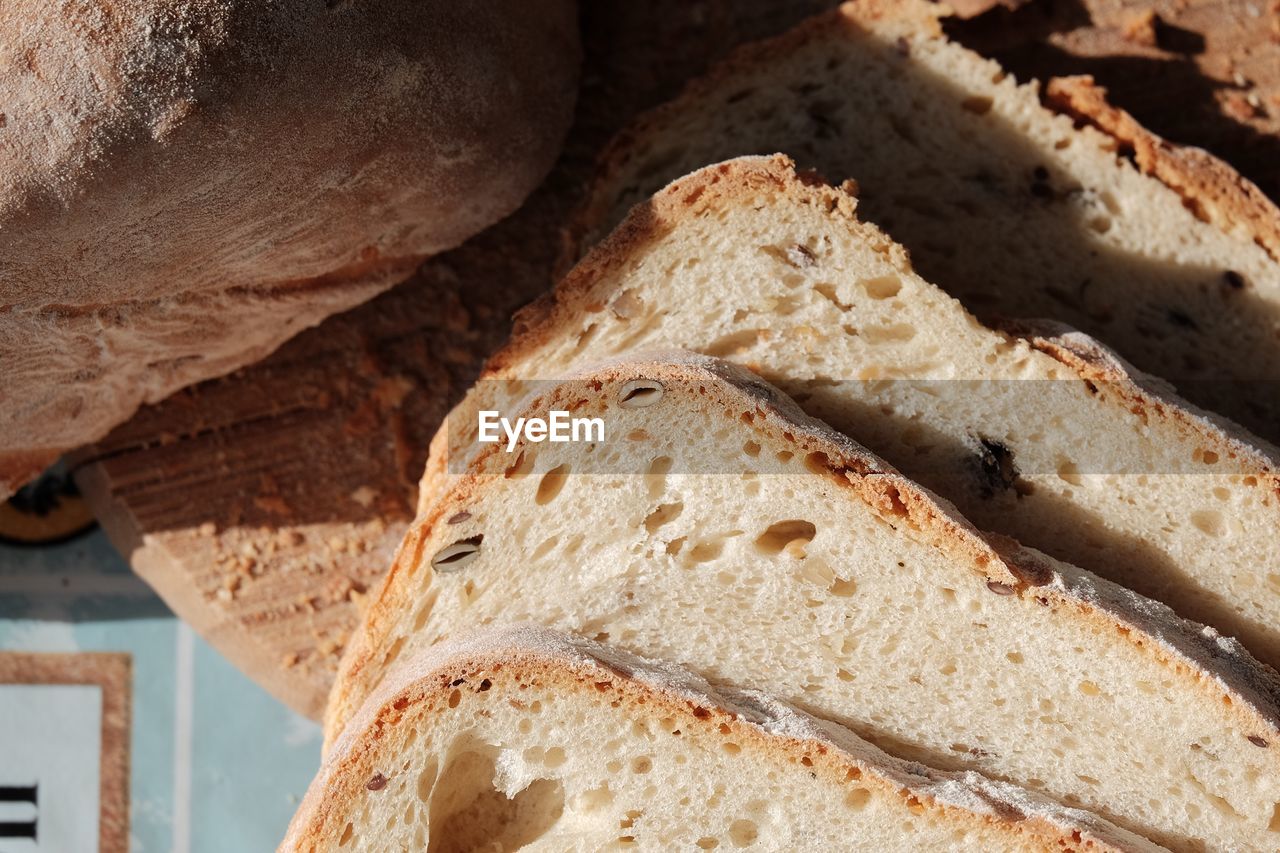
185	186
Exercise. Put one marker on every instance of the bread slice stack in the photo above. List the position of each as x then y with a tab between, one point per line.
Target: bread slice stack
521	737
804	440
1165	253
718	527
1048	437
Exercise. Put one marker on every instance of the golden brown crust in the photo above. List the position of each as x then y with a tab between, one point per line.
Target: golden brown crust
1213	190
531	657
685	197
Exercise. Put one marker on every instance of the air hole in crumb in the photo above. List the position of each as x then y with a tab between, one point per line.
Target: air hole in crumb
544	548
663	514
656	477
705	552
790	535
735	343
896	333
743	833
885	287
393	652
427	780
857	799
522	466
468	812
550	485
1209	521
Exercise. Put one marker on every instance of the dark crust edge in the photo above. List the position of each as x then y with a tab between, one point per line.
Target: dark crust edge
1208	186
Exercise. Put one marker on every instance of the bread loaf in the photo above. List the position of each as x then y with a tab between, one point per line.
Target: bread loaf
1070	211
718	527
1048	438
519	737
184	186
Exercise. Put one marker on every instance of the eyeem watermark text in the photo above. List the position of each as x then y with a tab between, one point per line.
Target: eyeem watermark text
559	426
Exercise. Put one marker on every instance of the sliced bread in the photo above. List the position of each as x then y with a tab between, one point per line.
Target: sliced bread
718	527
1164	253
1048	438
522	738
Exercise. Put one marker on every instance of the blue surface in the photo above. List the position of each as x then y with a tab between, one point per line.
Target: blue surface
216	763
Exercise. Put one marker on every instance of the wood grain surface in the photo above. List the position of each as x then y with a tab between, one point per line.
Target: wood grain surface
264	505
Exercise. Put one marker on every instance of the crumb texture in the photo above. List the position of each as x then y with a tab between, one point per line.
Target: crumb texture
1045	436
722	529
522	738
1160	252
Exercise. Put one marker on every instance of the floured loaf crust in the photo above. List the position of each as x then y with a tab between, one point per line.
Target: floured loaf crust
185	186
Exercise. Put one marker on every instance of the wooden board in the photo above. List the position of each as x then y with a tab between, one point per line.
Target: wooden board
262	506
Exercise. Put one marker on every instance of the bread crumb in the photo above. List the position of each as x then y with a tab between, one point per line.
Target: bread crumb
1241	107
273	504
290	660
364	496
1141	28
207	529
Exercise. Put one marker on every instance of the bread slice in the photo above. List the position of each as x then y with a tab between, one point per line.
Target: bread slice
1049	439
522	736
720	528
1164	253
